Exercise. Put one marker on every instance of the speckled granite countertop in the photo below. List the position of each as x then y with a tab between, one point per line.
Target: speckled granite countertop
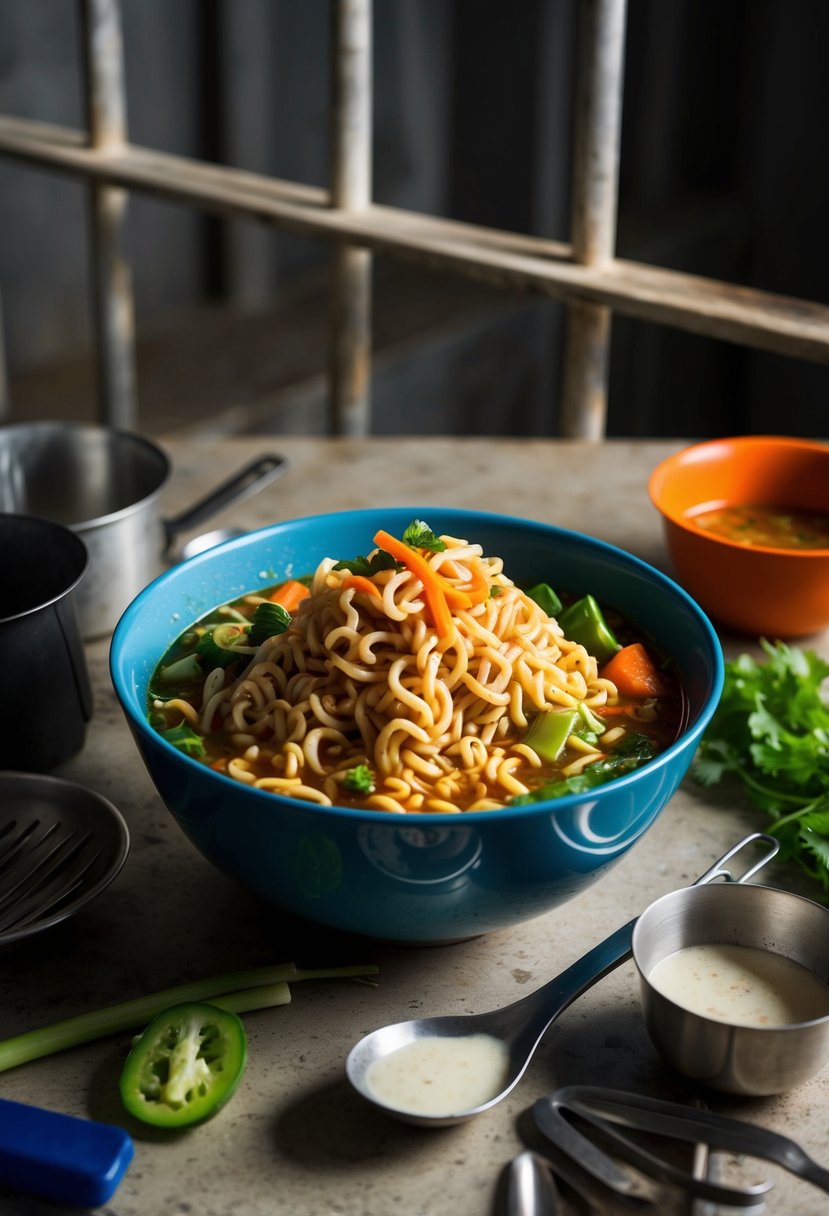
295	1139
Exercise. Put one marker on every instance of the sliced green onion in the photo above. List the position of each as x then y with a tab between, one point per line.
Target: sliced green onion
590	720
223	645
187	668
549	732
86	1027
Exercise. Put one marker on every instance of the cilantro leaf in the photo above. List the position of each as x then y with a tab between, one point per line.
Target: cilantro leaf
367	566
419	535
771	734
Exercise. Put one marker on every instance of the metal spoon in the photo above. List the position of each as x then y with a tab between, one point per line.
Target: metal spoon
209	540
520	1026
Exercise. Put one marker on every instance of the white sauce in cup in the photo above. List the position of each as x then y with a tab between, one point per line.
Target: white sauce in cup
741	985
440	1076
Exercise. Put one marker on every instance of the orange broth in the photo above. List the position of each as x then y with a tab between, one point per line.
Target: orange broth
765	526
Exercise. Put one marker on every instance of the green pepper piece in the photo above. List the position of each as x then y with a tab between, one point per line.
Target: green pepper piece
548	732
584	623
546	598
591	722
185	1065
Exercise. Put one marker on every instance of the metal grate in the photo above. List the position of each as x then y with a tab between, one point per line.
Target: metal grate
585	274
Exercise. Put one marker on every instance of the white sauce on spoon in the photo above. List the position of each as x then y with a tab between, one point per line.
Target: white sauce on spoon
440	1076
741	985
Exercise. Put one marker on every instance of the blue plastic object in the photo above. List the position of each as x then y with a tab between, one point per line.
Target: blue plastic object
60	1157
426	877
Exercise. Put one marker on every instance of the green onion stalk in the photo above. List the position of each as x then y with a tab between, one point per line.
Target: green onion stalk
237	992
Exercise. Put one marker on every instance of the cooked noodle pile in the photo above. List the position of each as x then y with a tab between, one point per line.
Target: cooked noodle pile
364	677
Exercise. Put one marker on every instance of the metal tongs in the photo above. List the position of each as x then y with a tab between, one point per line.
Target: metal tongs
606	1110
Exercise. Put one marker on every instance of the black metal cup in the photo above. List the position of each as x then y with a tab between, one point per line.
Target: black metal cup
45	695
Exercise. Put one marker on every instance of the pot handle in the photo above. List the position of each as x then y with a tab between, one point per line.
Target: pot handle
247	480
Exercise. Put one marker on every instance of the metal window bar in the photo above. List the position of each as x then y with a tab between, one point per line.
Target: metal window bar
586	275
112	303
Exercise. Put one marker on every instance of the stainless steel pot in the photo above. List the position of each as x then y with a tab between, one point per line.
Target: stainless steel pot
105	485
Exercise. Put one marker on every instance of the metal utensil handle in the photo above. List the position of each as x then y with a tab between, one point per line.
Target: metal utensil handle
252	477
588	1102
544	1005
683	1123
717	870
531	1189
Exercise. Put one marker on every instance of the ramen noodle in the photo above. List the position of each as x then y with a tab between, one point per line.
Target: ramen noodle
408	686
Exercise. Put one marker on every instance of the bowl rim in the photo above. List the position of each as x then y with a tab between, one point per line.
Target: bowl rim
661	472
689	737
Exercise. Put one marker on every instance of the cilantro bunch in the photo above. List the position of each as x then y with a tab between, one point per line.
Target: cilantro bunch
771	732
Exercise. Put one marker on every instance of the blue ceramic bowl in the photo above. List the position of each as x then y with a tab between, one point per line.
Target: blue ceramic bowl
432	877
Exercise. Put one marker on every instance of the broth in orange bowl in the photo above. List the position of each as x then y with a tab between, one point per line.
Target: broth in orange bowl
747	527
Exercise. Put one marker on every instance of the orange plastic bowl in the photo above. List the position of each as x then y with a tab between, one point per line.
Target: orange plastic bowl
766	592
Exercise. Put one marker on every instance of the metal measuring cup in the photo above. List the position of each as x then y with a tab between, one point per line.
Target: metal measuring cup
739	1059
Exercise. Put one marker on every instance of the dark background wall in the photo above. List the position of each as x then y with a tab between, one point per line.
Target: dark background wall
724	173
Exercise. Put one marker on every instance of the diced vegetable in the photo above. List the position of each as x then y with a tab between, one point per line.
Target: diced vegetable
184	669
185	1066
359	779
185	739
634	672
583	622
590	720
217	647
290	595
631	753
269	619
546	598
548	732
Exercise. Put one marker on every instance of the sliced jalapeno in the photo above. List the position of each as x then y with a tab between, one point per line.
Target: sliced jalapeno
185	1065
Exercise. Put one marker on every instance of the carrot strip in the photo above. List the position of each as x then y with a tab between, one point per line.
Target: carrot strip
478	588
360	583
434	587
633	672
455	597
416	562
290	595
